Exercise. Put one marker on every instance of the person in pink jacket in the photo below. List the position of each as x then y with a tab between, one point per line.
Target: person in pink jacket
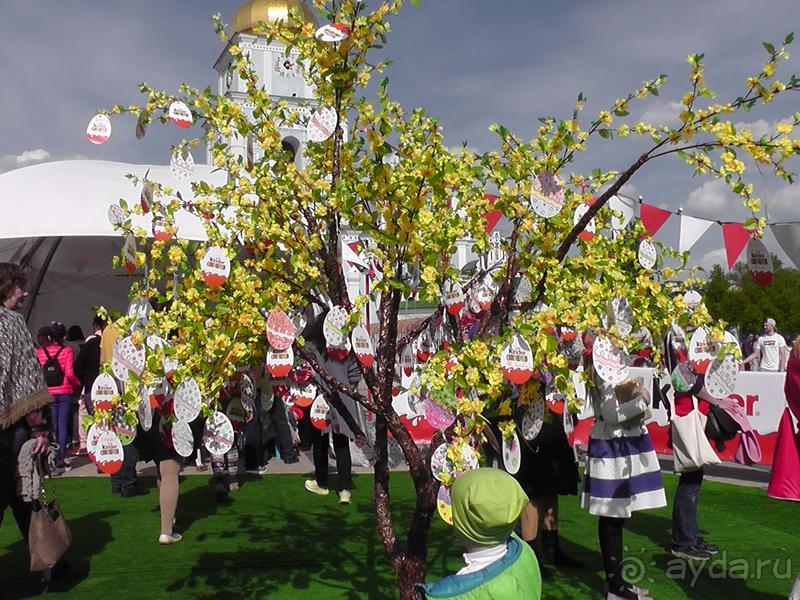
53	347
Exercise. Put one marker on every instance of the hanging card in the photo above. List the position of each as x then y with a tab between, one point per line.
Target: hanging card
115	215
237	414
320	413
533	418
452	297
103	390
129	254
517	360
609	361
333	326
280	329
187	401
99	129
362	344
218	434
511	453
702	349
180	114
108	452
161	231
622	315
444	504
647	254
321	124
333	33
181	165
147	197
215	266
547	195
279	362
182	438
126	357
588	233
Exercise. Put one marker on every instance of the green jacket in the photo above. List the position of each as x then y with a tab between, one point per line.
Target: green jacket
516	576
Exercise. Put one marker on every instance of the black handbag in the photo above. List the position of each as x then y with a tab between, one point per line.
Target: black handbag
720	426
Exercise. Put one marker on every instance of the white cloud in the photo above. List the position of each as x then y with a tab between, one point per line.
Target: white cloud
32	155
663	113
709	200
708	260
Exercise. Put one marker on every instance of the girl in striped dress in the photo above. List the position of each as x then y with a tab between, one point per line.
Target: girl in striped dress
622	475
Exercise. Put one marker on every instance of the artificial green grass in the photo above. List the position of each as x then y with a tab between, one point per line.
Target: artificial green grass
277	540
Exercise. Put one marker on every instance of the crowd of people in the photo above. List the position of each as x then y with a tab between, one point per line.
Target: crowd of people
511	538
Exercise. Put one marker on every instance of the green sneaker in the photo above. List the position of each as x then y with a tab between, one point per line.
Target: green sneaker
311	486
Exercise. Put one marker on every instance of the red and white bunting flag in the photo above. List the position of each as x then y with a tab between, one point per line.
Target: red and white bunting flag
653	218
692	229
736	238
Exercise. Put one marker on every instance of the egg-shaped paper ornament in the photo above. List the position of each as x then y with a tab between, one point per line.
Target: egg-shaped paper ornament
116	216
99	129
320	413
322	124
523	290
533	418
157	393
556	401
363	452
162	231
394	453
759	262
125	431
147	197
436	416
187	401
452	297
444	505
647	254
721	376
182	438
683	377
362	344
103	390
140	308
215	267
692	298
486	292
512	454
180	114
144	410
304	395
108	452
333	326
678	342
141	126
407	360
129	254
218	434
626	209
280	329
340	351
279	362
588	233
236	413
248	387
621	315
516	359
126	356
170	361
181	165
333	33
702	349
609	361
92	437
439	462
547	195
424	346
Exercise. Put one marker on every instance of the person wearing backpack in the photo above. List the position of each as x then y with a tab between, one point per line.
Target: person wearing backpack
56	360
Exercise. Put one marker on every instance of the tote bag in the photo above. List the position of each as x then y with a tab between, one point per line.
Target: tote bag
49	537
690	447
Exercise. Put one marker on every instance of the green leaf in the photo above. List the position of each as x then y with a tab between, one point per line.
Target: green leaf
604	133
620	112
789	39
653	90
770	48
415	3
707	93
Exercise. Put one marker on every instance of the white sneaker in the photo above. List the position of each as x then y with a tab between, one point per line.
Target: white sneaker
259	471
314	488
344	497
166	540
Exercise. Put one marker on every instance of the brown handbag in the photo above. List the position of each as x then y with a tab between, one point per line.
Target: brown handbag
49	537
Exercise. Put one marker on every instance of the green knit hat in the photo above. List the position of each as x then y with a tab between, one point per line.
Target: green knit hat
487	503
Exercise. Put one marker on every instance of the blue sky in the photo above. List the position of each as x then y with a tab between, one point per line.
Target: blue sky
470	63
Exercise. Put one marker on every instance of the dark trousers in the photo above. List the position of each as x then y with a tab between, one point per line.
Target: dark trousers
11	441
253	452
341	447
61	408
685	530
283	436
125	478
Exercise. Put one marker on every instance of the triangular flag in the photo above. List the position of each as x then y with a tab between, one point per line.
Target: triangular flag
492	217
653	218
788	236
692	229
736	238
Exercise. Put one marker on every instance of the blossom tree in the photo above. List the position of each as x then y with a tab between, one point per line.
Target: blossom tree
385	175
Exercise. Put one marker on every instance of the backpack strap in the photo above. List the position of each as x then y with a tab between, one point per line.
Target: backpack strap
44	349
59	351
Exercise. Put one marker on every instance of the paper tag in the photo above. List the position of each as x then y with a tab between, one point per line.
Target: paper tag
92	437
395	453
303	396
647	254
511	453
333	32
333	326
146	198
280	329
182	438
181	164
320	413
215	266
517	360
248	388
321	124
218	434
129	254
683	377
532	419
187	401
108	452
180	114
721	377
702	349
622	315
588	233
115	215
160	231
103	390
237	414
547	195
692	298
279	362
144	410
365	453
170	362
678	341
124	430
141	126
609	361
759	262
523	290
624	206
362	344
444	504
99	129
437	417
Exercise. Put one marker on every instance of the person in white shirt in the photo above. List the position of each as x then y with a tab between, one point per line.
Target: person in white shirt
770	349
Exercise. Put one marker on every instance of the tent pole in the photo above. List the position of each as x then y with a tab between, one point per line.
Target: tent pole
39	278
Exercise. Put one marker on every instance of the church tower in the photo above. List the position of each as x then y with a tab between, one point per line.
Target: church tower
279	74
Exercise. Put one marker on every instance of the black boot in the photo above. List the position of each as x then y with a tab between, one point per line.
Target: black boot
552	553
537	550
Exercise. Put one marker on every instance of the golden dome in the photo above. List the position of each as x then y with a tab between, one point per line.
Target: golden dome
250	13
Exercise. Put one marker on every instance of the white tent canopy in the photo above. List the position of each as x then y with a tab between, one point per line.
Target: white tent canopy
55	223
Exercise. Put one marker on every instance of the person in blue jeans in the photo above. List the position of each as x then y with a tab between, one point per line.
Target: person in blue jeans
62	393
